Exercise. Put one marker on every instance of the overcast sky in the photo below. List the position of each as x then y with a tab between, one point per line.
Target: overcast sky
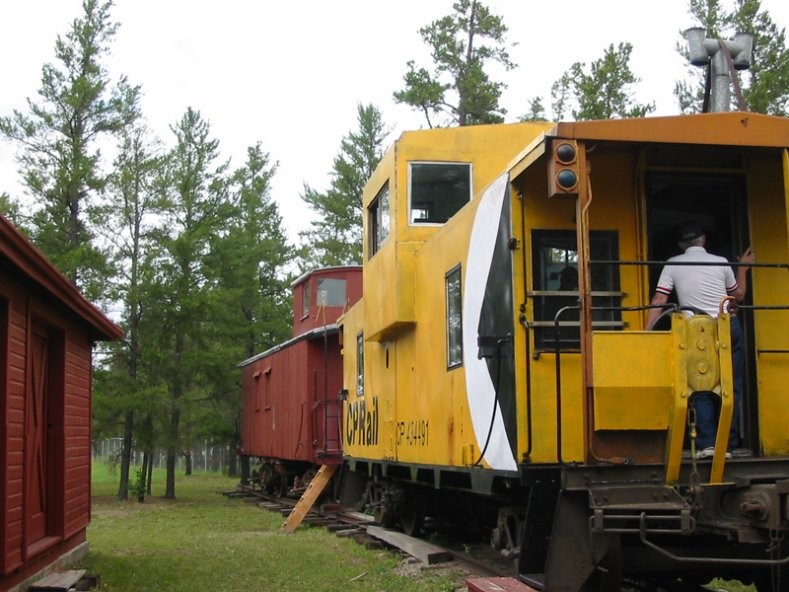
290	74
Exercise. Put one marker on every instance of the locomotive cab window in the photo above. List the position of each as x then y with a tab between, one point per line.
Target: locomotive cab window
378	220
555	285
437	191
454	319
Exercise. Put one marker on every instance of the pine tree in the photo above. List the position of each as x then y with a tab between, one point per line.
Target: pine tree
335	237
602	92
59	138
194	211
133	185
247	270
459	90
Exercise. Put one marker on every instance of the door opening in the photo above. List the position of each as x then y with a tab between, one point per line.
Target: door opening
719	204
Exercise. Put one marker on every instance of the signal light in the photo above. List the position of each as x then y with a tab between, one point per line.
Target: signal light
563	173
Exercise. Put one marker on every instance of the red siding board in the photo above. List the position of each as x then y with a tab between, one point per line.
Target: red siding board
282	426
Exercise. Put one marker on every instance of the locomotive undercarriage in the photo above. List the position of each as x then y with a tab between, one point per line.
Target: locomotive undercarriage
281	478
619	520
592	528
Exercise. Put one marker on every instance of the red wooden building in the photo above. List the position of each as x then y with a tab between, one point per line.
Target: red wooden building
47	332
290	419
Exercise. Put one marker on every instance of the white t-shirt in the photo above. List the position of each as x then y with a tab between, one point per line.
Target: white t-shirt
699	286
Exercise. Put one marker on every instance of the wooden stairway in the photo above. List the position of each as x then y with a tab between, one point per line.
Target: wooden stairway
313	491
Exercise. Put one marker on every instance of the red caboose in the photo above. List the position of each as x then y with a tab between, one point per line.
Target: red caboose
47	332
290	419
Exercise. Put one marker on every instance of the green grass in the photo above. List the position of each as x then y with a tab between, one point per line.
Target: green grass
205	541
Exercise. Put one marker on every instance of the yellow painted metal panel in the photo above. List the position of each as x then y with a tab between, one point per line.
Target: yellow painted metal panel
389	290
773	421
389	280
785	177
615	207
426	417
633	382
368	417
768	193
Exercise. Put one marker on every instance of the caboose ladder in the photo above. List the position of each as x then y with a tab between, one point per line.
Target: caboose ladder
314	489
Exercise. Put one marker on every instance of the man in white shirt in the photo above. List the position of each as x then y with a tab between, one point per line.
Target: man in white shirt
704	287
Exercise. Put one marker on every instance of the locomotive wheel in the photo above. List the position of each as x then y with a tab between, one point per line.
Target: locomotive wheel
383	512
272	482
267	478
412	516
281	485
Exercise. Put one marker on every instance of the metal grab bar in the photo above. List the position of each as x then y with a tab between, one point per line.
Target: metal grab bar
721	560
694	263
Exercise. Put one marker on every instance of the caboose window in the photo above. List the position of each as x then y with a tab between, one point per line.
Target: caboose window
437	190
331	292
306	300
378	220
555	285
454	319
360	364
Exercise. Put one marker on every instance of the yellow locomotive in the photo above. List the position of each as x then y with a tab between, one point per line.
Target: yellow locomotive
498	366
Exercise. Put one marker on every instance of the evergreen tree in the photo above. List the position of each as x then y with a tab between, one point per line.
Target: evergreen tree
194	211
536	111
249	308
59	138
604	92
458	89
133	185
335	237
13	212
765	84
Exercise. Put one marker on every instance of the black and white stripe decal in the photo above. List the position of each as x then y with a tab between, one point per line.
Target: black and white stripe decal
487	311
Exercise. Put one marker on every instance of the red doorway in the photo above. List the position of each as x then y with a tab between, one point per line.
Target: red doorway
43	443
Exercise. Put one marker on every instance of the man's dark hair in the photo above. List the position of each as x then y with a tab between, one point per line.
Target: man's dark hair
689	231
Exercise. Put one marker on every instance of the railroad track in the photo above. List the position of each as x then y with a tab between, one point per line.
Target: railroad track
477	559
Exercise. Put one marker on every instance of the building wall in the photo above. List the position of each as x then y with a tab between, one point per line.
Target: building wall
64	459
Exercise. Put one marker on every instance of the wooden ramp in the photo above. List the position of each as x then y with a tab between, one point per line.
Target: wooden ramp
422	550
313	491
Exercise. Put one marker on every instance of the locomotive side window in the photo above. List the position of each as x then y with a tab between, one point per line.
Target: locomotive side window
437	190
555	283
331	292
454	319
378	220
360	364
